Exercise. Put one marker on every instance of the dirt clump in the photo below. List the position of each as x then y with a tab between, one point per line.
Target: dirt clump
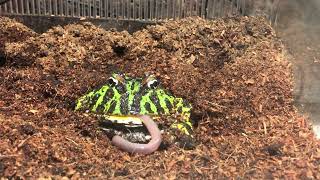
12	31
232	70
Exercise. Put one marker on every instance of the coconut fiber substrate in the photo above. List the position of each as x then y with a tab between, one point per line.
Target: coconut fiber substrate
234	71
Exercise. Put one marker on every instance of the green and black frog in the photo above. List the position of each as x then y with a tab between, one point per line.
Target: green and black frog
123	97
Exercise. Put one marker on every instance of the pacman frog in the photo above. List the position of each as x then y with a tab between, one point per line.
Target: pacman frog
123	97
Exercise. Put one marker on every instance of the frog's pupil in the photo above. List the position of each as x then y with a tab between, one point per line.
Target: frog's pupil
153	84
112	82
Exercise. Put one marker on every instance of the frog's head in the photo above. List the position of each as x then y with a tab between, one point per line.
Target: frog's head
123	95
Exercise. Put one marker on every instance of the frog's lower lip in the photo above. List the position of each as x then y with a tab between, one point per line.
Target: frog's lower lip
131	121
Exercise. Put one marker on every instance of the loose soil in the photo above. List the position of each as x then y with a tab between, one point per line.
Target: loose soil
234	71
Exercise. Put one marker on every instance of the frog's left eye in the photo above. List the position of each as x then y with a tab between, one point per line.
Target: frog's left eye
153	84
112	81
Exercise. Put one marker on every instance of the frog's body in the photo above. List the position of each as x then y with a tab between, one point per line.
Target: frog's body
124	96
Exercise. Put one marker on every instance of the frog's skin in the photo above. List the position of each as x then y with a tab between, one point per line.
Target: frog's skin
124	96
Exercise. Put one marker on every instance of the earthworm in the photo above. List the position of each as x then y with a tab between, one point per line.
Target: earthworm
152	146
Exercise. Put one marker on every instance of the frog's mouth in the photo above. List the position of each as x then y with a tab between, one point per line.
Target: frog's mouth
128	127
128	121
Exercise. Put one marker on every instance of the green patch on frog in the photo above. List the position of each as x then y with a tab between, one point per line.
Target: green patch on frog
124	97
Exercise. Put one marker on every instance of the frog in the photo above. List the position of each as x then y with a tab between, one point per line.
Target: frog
123	97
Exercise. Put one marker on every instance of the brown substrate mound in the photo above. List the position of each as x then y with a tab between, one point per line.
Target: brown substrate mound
232	70
12	31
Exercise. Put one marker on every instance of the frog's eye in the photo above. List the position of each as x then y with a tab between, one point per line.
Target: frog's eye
112	81
153	84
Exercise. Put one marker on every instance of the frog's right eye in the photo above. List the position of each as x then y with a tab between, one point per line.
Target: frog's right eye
153	84
112	81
